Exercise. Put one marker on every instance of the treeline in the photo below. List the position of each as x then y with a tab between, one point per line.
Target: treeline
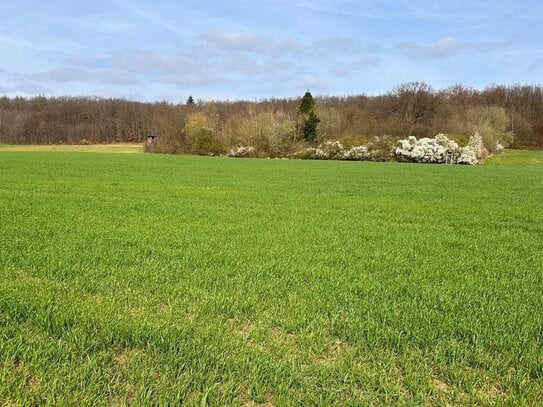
275	125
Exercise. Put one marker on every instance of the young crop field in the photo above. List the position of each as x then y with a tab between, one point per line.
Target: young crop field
142	279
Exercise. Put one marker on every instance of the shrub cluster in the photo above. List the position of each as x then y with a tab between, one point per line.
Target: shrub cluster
428	150
334	150
438	150
241	151
441	149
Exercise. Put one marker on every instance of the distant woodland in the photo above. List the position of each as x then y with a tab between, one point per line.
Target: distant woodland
274	125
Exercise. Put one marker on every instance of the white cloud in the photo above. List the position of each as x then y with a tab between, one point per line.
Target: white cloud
311	82
350	68
250	43
234	41
26	88
10	43
62	74
448	46
441	48
117	77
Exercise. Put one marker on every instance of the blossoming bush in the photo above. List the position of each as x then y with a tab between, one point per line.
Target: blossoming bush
439	149
330	150
428	150
477	145
467	156
241	151
442	150
382	148
334	150
476	152
357	153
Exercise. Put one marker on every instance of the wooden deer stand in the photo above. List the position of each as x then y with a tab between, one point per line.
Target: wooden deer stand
151	142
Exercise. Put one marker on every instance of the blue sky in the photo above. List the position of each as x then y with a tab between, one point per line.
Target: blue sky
241	49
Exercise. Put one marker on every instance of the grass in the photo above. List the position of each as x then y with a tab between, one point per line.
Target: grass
81	148
517	157
153	279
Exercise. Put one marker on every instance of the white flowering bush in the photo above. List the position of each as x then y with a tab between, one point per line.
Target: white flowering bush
442	150
467	156
476	143
334	150
428	150
439	149
357	153
241	151
330	150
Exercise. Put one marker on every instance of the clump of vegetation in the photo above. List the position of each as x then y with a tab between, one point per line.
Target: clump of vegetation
241	151
428	150
442	150
490	125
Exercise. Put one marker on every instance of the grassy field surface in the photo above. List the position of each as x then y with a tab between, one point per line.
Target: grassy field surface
517	157
90	148
152	279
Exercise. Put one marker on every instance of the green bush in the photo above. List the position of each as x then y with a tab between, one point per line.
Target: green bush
205	142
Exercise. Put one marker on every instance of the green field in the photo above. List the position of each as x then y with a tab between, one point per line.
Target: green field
82	148
138	279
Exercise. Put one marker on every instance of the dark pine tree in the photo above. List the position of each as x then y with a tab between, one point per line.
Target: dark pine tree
307	104
310	127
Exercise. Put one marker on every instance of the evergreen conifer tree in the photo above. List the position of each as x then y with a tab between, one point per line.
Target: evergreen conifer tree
307	104
310	127
308	130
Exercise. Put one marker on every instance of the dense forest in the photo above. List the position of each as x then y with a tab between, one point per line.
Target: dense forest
272	126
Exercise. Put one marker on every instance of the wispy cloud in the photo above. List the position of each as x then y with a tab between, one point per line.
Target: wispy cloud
234	41
313	83
61	74
347	69
446	47
10	42
27	88
249	42
102	25
441	48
